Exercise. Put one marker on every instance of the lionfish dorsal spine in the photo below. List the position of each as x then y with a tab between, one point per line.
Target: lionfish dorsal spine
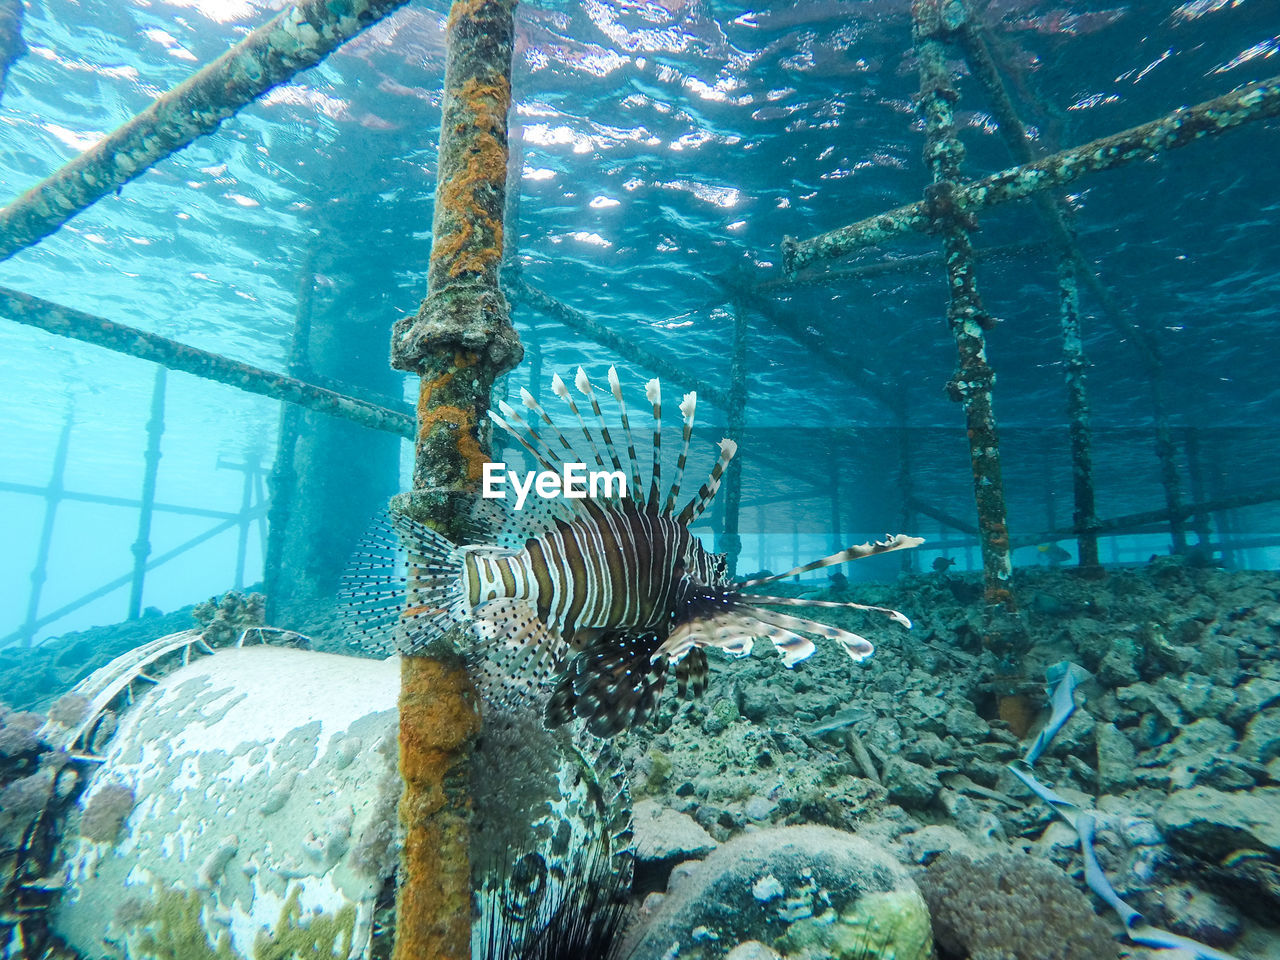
540	452
707	492
583	383
653	393
615	387
531	402
688	406
562	391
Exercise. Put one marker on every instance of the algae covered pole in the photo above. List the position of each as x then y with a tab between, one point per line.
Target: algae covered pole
459	342
972	382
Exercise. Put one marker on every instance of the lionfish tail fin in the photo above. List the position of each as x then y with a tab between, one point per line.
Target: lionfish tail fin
889	543
402	588
707	492
613	685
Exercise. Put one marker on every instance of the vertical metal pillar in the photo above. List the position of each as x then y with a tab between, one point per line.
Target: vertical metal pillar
1195	468
52	497
11	44
906	483
250	467
971	385
458	343
1167	451
972	37
763	560
142	546
730	540
1085	517
283	481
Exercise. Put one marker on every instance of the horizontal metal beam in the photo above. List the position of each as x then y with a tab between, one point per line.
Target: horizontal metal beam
298	38
1148	517
1177	129
36	491
78	325
623	346
125	579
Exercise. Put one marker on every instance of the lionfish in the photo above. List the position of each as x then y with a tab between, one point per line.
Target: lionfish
593	598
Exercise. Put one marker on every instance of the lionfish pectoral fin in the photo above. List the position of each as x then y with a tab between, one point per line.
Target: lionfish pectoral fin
516	653
613	685
857	647
401	588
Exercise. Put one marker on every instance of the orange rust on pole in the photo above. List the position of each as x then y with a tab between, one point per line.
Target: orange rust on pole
459	342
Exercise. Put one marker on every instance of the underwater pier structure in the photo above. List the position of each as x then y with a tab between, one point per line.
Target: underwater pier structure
951	203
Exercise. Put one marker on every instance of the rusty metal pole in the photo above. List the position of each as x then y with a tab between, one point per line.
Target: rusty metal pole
459	342
972	382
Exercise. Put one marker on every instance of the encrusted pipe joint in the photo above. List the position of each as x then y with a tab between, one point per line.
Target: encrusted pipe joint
469	318
937	19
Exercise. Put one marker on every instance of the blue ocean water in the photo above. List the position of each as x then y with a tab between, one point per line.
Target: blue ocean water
662	146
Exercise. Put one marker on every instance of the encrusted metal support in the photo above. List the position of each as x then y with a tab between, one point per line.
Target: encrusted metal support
623	346
78	325
283	482
11	46
1077	365
913	266
1167	453
459	343
53	496
972	382
972	38
142	546
1195	469
731	538
1255	101
294	40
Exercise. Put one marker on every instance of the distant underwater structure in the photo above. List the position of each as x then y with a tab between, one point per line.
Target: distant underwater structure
461	344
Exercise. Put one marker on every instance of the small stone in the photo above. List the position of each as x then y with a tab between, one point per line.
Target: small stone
910	785
752	950
759	808
766	888
1251	696
1116	758
1211	824
1119	667
1200	915
965	724
1262	737
664	834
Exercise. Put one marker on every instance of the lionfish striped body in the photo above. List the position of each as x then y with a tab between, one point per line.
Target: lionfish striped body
595	597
